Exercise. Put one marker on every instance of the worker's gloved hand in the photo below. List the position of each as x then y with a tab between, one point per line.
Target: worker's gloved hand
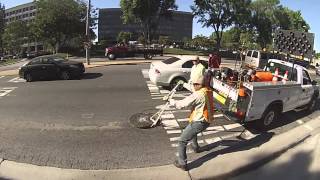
165	98
172	102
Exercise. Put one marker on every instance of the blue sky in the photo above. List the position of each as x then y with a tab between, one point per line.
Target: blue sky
309	10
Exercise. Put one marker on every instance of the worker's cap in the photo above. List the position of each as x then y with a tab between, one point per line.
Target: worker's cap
197	58
199	80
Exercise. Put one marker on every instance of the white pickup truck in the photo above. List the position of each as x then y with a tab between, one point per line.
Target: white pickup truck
265	101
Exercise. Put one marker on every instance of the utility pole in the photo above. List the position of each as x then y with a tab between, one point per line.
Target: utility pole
88	43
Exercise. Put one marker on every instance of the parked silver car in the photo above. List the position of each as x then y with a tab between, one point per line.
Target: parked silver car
170	71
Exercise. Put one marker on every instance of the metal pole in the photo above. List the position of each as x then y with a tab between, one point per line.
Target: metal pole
88	34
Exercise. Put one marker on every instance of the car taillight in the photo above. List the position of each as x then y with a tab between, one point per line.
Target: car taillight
157	71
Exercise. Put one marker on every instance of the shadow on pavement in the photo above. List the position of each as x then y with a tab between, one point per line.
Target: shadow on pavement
1	178
296	168
91	75
284	119
233	146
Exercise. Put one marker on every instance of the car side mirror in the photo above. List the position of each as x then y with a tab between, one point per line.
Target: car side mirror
314	82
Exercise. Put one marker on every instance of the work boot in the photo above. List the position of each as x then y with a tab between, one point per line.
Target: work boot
196	150
178	165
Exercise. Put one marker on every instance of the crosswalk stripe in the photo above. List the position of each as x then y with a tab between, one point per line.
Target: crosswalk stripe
232	126
167	116
164	91
215	128
178	131
155	98
183	119
213	140
170	123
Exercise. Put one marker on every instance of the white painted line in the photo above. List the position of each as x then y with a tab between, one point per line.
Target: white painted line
17	80
145	73
209	132
151	85
216	128
155	98
174	131
2	77
153	88
183	120
167	116
174	139
218	115
213	140
9	88
308	127
180	111
299	121
170	123
157	95
249	135
232	126
4	92
164	91
170	128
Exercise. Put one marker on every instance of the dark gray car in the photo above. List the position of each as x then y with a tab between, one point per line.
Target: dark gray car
51	67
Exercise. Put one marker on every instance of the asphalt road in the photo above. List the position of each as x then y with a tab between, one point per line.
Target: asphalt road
84	123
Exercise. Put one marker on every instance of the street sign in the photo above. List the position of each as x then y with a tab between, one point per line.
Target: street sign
294	43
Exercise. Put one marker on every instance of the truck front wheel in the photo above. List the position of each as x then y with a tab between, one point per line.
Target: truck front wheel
111	56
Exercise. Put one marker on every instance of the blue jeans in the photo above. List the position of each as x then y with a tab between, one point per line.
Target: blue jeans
190	133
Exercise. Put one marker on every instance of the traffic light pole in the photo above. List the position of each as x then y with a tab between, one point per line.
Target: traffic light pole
88	34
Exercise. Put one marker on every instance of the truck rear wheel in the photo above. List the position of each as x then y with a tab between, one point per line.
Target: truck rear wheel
269	116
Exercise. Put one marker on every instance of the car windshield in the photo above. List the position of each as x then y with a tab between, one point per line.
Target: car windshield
170	60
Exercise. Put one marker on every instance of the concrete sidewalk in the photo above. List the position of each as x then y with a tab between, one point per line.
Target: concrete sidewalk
221	164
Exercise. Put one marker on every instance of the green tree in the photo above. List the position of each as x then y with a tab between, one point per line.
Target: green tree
147	13
221	14
201	41
15	34
164	40
268	15
59	21
124	36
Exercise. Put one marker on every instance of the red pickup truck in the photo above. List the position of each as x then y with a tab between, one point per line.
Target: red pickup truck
121	50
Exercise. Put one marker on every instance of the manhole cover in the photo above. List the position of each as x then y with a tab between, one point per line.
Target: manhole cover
141	120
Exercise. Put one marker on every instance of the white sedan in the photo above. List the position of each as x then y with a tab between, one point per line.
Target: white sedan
170	71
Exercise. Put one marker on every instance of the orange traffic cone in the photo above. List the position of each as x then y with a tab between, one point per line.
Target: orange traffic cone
285	77
275	76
